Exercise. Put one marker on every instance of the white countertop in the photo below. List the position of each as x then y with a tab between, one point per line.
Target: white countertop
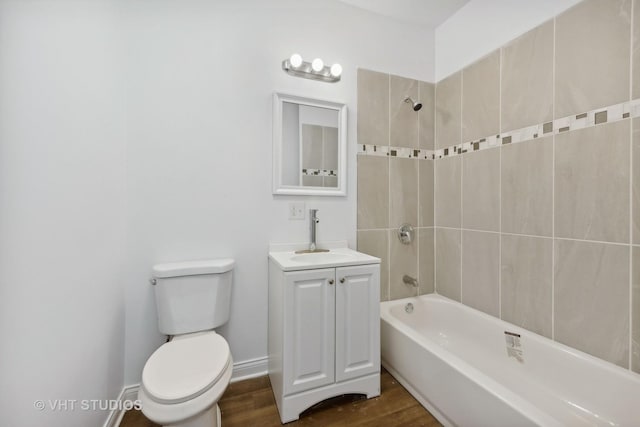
336	257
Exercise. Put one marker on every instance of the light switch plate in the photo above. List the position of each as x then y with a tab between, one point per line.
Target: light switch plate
296	210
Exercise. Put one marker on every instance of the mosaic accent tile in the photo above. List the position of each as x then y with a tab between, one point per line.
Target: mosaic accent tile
601	117
319	172
402	152
612	113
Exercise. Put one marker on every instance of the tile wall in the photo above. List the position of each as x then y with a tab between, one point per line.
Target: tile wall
535	177
395	179
533	182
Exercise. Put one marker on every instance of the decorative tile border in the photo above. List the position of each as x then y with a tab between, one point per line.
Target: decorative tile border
402	152
592	118
319	172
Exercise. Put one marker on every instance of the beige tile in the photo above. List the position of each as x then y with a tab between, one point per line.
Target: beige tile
404	191
527	187
636	177
591	298
426	260
481	190
448	246
404	260
311	146
404	121
636	50
449	110
635	324
426	116
373	107
448	174
330	148
312	181
330	181
373	192
526	282
481	98
425	214
376	243
592	183
480	271
592	56
527	79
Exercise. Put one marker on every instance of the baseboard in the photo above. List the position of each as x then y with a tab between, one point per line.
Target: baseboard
128	393
241	371
250	369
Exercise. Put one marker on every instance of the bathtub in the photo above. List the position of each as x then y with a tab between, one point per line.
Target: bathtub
471	369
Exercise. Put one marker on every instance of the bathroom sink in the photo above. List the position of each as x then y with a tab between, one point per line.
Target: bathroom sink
322	257
335	257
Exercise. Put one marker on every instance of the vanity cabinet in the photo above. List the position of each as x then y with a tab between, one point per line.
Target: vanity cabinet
324	334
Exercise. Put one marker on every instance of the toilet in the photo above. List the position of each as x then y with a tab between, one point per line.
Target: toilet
183	379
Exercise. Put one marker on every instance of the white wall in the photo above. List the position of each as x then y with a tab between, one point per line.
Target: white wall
62	215
482	26
200	79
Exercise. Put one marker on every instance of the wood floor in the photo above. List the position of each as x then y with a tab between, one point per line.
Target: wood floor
251	403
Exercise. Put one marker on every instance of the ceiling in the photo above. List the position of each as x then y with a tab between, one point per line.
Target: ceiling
430	13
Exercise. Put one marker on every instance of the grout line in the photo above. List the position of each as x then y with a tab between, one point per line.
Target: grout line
435	136
461	180
537	237
389	233
590	241
418	208
553	188
631	193
500	187
433	195
388	228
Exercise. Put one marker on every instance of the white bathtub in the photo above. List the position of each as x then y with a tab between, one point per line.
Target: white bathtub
453	359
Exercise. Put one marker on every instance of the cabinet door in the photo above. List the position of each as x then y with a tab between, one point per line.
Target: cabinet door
357	321
309	329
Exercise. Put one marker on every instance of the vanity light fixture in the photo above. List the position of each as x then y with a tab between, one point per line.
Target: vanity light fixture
315	70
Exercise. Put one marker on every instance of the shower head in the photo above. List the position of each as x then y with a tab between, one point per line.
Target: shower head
417	105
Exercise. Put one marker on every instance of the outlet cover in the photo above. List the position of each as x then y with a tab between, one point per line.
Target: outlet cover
296	210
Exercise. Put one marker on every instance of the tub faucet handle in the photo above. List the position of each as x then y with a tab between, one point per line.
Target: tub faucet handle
405	234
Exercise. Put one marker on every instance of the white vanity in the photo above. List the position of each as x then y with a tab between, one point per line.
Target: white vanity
324	327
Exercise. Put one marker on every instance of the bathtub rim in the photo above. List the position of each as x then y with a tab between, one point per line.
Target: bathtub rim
612	367
491	386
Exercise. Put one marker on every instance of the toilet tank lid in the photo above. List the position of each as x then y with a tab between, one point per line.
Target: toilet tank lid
192	268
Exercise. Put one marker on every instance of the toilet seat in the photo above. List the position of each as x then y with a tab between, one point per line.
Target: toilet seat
176	413
186	367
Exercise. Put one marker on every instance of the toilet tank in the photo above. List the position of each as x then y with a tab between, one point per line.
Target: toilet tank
193	296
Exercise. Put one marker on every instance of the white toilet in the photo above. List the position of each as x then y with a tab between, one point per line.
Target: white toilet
183	380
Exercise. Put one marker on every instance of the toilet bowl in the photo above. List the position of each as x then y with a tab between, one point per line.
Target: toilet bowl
183	380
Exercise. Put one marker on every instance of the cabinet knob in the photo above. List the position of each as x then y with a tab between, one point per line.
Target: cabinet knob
331	281
342	280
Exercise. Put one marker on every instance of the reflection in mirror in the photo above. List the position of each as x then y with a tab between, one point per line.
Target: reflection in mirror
308	146
319	156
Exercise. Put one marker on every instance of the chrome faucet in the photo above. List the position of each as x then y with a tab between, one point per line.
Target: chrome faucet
314	221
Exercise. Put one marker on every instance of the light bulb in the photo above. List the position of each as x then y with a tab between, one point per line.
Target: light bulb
336	70
295	60
317	65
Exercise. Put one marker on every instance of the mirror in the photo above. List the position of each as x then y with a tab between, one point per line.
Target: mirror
309	146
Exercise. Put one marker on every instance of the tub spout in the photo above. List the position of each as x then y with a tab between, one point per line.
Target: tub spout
408	280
